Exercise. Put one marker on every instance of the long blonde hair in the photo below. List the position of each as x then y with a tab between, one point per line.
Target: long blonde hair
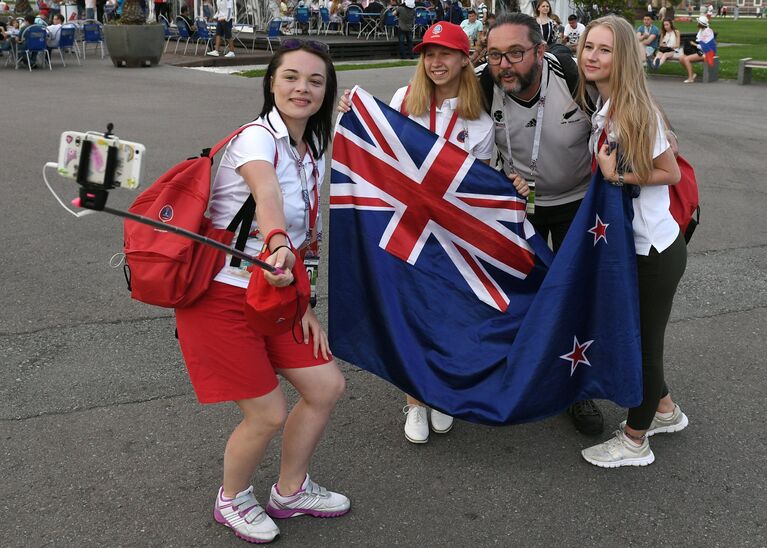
471	101
633	113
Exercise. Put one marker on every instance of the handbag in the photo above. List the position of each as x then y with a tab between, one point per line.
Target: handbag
272	310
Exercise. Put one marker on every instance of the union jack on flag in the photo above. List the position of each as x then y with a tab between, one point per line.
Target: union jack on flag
432	190
438	283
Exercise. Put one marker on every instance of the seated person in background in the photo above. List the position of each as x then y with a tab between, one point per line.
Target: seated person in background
670	44
184	14
29	22
54	31
648	35
572	32
480	50
471	26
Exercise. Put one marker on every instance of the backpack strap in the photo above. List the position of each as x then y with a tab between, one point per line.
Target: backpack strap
243	217
247	212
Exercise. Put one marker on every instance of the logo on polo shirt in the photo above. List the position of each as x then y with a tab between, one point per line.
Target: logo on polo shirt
462	136
532	123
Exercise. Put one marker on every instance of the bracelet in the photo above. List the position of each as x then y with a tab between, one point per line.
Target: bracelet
620	182
273	251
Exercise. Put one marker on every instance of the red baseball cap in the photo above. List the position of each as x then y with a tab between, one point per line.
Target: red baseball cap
447	35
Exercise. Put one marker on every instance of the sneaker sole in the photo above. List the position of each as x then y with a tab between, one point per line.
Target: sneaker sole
644	461
253	540
412	440
445	431
294	513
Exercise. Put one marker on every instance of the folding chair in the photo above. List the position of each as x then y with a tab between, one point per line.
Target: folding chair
421	22
273	33
67	36
353	17
184	33
34	42
92	35
203	35
390	23
325	22
168	30
303	19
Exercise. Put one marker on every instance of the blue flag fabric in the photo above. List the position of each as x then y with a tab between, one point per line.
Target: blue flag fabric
439	284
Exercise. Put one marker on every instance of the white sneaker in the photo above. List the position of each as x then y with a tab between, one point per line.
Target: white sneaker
659	425
311	499
229	54
213	53
245	517
441	423
619	451
416	424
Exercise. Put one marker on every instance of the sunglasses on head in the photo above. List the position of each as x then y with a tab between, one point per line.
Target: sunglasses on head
295	43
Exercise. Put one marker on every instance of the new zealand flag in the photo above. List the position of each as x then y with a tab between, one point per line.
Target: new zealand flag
440	285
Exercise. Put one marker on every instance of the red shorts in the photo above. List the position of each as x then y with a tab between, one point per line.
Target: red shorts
226	359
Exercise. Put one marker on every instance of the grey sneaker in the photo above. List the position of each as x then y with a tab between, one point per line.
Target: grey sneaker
619	451
659	425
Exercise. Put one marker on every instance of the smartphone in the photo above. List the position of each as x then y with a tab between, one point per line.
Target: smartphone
128	167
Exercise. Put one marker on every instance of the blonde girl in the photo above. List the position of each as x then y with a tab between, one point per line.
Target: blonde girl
630	145
444	96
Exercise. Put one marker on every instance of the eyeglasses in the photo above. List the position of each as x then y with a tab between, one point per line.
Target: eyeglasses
295	43
511	56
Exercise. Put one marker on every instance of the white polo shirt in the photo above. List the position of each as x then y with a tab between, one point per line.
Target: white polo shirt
230	190
474	136
653	224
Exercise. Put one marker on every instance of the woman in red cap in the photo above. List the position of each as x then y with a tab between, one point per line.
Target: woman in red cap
444	96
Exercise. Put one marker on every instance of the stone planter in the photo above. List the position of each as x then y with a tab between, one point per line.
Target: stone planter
134	45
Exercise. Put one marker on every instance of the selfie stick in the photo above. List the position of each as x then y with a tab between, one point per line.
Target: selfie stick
91	200
95	197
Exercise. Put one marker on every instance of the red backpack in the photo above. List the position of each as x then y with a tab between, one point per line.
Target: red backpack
685	201
169	270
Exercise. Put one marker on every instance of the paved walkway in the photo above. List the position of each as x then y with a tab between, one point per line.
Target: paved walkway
103	443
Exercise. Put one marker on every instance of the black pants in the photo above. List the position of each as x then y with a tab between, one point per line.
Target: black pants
554	220
659	275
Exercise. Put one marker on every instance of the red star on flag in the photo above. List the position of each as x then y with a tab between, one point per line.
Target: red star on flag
599	230
577	355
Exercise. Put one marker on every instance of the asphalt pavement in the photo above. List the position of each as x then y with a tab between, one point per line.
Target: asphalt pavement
102	442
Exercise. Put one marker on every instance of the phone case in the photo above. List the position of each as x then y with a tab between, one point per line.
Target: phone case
129	158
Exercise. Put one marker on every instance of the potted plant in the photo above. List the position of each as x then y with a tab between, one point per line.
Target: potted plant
131	41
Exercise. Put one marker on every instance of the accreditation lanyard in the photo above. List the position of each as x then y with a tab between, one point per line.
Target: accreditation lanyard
311	212
538	129
433	119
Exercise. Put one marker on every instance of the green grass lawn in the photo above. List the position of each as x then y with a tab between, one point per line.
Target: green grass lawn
748	38
742	31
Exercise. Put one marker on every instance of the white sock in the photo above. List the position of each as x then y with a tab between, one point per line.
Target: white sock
664	416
